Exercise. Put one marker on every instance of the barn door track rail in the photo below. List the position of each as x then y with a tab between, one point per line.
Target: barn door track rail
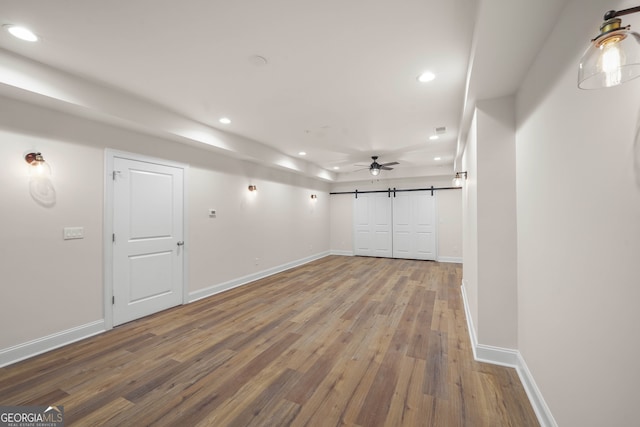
394	190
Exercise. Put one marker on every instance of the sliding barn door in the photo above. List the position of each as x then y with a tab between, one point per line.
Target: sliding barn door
372	234
414	225
403	226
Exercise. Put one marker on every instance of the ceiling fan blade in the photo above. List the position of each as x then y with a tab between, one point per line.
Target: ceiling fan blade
385	168
390	164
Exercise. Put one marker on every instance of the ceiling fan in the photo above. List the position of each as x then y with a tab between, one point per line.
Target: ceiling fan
375	167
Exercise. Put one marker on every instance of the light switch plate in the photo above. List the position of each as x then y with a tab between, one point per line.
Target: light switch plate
73	233
212	212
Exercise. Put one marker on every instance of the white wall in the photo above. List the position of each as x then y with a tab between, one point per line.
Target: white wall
449	212
496	227
50	285
251	232
449	225
470	225
489	273
578	204
341	223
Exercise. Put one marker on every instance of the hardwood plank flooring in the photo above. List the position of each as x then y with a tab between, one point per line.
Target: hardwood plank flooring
342	341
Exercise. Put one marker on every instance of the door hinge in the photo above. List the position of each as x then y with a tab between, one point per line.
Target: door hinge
114	174
113	237
113	299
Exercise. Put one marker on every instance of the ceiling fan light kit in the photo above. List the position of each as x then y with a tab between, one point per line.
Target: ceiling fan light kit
375	167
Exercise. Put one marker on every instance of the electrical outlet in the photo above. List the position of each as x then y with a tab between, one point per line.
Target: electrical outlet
73	233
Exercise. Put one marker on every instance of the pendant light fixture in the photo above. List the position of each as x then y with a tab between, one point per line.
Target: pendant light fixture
613	57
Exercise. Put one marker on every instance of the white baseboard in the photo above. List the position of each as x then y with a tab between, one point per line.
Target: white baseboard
467	313
42	345
486	353
496	355
341	253
457	260
513	359
221	287
453	259
545	418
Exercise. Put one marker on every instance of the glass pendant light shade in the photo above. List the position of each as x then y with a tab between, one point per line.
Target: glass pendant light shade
612	58
374	171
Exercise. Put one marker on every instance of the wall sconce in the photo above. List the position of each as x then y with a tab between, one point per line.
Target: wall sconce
38	165
457	181
314	197
253	188
613	57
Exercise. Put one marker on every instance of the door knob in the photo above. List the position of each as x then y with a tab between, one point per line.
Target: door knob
180	243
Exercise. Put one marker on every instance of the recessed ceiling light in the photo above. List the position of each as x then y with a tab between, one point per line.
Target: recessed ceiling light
437	158
22	33
225	120
258	60
336	168
427	76
434	137
302	153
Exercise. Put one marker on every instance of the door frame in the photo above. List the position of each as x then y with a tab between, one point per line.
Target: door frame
110	155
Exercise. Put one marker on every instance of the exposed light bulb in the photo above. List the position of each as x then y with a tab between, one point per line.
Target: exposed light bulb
38	166
611	62
457	181
374	171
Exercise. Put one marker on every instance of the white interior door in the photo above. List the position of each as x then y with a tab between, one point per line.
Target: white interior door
402	226
425	225
372	225
414	225
148	251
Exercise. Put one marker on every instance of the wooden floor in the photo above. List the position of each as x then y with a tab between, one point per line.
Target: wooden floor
345	341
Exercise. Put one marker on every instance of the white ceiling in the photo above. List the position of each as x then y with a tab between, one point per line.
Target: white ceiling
340	82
